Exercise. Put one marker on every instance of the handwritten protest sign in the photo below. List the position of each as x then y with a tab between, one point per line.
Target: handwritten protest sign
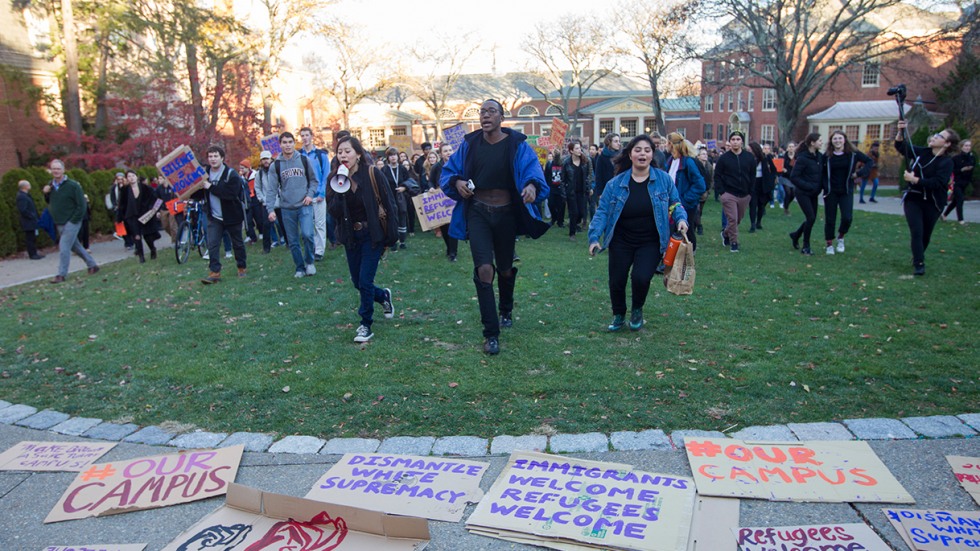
434	209
437	489
559	129
52	456
715	520
778	163
454	135
792	471
183	171
837	537
252	520
402	143
967	471
270	143
147	483
931	530
555	501
123	547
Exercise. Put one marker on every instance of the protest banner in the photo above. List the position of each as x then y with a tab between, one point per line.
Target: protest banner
835	537
252	519
967	471
711	144
932	530
715	520
559	129
454	135
434	208
122	547
183	171
402	143
148	483
778	163
792	471
270	143
562	502
436	489
52	456
152	212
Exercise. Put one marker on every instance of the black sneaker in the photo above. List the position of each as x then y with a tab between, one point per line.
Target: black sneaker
506	321
806	251
491	346
734	248
796	240
364	334
387	305
724	239
920	270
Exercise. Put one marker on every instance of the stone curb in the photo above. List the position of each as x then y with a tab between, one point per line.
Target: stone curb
966	425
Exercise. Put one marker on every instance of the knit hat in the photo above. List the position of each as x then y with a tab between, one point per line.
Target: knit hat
246	163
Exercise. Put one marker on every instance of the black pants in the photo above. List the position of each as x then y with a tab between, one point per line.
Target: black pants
808	204
693	221
576	211
757	205
452	244
959	195
833	201
643	260
492	232
921	217
216	230
83	233
258	218
282	226
789	193
556	202
30	240
133	228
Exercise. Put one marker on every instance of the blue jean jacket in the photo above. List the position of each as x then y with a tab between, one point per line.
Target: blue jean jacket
663	195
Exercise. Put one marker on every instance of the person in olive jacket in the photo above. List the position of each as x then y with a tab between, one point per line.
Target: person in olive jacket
28	218
67	205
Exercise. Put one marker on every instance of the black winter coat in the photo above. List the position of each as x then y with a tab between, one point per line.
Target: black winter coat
808	173
27	211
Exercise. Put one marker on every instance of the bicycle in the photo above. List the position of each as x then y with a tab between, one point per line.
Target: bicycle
192	232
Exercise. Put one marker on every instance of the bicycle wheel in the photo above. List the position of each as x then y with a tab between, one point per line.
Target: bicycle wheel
182	246
202	240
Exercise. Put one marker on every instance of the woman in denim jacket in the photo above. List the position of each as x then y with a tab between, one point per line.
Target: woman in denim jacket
636	196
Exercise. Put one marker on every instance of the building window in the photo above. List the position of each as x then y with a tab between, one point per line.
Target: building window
709	74
852	132
869	79
627	128
731	102
707	132
814	129
751	101
553	111
682	131
891	129
709	103
398	131
741	101
376	138
528	111
721	132
769	99
873	132
472	113
833	128
605	127
447	114
768	133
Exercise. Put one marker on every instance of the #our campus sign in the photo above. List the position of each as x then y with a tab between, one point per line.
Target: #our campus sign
933	530
562	503
148	483
792	471
433	488
831	537
434	208
52	456
184	172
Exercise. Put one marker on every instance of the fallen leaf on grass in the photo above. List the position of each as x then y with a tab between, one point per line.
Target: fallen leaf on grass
453	385
285	389
806	388
348	395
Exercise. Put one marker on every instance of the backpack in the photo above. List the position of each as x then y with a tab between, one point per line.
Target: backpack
306	167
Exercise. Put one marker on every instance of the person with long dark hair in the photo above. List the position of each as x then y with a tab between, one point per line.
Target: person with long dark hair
135	200
765	181
433	168
577	178
632	221
963	165
789	192
359	227
708	174
930	169
556	199
807	178
838	193
683	171
875	154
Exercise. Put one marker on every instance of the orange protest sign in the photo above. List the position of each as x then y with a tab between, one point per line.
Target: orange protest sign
120	229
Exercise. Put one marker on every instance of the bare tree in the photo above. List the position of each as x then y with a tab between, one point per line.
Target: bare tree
797	47
655	34
73	104
572	54
445	61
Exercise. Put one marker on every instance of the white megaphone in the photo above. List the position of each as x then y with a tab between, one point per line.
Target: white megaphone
340	182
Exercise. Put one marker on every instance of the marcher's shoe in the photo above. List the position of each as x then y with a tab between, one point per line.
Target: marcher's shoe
758	226
491	346
300	274
142	258
700	230
840	245
213	277
317	257
242	272
734	248
94	270
37	257
661	268
387	306
920	270
873	200
452	258
402	246
861	201
206	255
752	228
796	239
636	319
724	239
153	254
310	270
806	251
617	322
363	334
58	279
267	251
227	254
506	321
830	249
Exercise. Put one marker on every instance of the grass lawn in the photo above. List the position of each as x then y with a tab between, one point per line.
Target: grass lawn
768	337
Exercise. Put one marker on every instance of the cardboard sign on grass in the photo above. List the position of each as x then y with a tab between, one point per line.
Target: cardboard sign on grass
148	483
52	456
436	489
123	547
792	471
434	209
931	530
255	520
967	471
184	172
566	503
837	537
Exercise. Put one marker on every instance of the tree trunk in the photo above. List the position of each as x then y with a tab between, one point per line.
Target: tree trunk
102	88
266	115
194	78
73	106
219	90
660	125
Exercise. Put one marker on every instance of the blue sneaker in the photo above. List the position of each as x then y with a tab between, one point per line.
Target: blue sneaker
617	323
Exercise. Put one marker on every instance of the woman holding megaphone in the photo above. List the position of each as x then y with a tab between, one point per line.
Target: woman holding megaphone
363	206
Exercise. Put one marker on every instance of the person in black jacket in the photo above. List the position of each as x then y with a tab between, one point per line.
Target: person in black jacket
604	169
28	218
734	178
842	162
930	169
556	199
807	178
224	193
135	200
765	182
396	175
577	179
963	165
789	192
432	168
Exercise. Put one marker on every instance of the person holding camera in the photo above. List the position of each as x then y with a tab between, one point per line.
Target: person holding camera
930	169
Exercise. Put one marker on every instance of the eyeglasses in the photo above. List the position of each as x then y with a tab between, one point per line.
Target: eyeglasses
941	136
490	112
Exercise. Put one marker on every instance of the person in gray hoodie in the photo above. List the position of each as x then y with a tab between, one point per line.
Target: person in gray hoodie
293	178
